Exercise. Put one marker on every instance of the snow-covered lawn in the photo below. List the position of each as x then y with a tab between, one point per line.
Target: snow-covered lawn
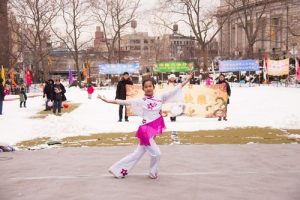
260	106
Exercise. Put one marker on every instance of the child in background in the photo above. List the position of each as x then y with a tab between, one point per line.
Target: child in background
90	91
208	81
23	97
149	108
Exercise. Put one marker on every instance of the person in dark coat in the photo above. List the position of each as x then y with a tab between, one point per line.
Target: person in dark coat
172	81
2	94
193	80
121	94
48	92
228	90
58	96
23	97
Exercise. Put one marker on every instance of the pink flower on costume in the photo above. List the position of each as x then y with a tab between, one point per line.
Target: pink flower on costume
151	106
124	172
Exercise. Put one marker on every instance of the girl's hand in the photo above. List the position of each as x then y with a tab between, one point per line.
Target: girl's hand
102	98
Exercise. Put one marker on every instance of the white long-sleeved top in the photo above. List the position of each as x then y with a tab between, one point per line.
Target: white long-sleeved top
149	108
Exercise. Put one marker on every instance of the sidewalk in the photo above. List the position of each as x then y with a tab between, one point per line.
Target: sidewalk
188	172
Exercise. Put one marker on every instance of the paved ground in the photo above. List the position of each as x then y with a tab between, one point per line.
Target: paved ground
256	172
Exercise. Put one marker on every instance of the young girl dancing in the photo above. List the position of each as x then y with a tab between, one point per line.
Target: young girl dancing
149	108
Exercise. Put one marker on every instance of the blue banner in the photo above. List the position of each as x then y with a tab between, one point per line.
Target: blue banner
118	68
238	65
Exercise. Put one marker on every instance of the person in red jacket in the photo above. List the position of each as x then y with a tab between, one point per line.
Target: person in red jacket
90	91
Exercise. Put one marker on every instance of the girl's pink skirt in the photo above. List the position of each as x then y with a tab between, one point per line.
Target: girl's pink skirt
150	130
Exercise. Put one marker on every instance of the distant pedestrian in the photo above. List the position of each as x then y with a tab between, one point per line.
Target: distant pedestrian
48	93
58	96
228	90
2	94
90	91
23	97
121	94
173	82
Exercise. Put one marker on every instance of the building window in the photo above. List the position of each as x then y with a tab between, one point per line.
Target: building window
138	48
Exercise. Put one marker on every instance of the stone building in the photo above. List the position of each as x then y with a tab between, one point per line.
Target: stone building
277	33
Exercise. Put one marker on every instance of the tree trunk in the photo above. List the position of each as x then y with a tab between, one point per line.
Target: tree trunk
250	51
35	71
45	70
204	55
4	34
119	47
78	69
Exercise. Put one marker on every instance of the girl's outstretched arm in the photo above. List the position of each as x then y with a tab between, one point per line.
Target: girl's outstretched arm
116	101
103	98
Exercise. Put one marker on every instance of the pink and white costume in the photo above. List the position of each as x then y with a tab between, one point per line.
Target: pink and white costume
149	108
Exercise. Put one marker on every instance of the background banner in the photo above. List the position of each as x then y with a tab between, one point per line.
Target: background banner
278	67
238	65
118	68
173	66
199	101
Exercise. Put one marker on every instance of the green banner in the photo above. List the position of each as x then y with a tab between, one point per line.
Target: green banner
174	66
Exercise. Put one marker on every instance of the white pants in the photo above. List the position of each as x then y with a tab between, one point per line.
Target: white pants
124	166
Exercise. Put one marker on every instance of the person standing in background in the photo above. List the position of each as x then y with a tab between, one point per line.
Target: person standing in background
48	92
23	97
2	94
58	96
228	90
121	94
90	91
172	81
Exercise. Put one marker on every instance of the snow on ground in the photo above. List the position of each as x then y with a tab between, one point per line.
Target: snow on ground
260	106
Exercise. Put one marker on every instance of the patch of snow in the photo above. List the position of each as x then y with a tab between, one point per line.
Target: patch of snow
264	106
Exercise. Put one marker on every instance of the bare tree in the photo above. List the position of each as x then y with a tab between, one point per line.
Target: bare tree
4	34
292	21
14	42
74	14
203	22
250	15
114	16
35	18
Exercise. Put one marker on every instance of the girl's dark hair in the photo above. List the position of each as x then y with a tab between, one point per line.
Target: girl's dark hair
146	80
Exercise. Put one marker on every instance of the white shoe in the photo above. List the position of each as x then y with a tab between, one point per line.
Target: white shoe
153	176
111	172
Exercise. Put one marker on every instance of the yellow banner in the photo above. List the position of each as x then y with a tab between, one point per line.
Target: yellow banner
278	67
199	100
3	75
